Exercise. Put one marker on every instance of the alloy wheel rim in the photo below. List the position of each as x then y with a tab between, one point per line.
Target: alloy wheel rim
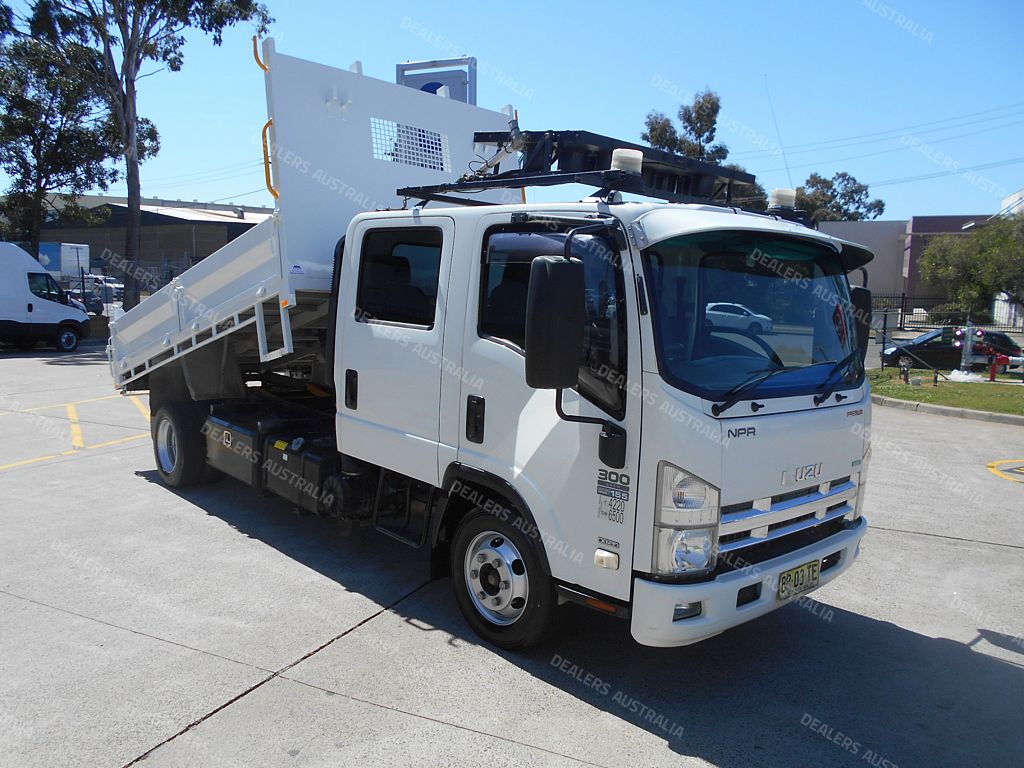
496	578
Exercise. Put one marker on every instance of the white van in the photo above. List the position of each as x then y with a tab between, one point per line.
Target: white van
33	307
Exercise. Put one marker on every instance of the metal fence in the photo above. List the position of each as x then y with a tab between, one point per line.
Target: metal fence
912	313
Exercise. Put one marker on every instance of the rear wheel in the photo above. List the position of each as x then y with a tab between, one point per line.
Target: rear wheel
178	445
67	340
500	583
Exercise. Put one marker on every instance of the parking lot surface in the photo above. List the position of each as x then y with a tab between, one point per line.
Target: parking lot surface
214	627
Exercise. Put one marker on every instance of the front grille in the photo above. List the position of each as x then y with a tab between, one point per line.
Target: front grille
775	518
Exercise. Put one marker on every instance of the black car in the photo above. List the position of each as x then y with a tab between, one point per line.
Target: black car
934	349
942	349
93	302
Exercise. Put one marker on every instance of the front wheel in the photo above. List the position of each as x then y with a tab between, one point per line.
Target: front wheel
67	340
178	445
756	329
500	583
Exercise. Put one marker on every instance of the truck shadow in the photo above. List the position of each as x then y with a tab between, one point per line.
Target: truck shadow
797	687
789	689
362	561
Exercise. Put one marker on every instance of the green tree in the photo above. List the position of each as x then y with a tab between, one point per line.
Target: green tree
6	20
53	134
126	34
977	266
695	136
841	198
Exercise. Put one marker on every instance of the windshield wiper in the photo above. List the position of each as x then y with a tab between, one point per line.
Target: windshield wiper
735	394
839	367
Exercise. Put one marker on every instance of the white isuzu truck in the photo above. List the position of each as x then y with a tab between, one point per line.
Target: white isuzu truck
543	394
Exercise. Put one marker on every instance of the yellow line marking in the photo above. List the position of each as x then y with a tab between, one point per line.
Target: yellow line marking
116	442
140	405
77	441
56	405
993	467
26	462
31	461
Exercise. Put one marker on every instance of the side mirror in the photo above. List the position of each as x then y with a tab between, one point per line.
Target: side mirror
861	300
555	313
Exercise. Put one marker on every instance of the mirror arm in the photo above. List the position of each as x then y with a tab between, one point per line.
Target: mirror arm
587	229
577	419
611	447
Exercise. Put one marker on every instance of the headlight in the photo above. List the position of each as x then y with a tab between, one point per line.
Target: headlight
686	522
889	350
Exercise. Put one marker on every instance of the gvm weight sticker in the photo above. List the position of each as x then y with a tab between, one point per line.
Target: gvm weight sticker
612	495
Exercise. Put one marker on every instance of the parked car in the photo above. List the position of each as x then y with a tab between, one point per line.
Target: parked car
91	303
934	349
728	315
942	349
108	288
989	342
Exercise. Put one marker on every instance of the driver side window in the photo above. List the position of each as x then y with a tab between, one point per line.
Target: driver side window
43	286
505	279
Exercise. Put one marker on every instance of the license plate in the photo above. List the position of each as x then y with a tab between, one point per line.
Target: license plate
798	580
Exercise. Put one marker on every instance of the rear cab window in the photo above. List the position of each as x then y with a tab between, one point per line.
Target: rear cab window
399	272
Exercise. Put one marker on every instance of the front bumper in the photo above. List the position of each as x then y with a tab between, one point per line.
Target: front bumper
653	602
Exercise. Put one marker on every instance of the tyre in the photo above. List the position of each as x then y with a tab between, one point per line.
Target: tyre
904	361
178	445
755	328
67	340
500	583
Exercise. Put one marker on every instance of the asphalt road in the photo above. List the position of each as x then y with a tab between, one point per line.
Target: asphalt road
215	628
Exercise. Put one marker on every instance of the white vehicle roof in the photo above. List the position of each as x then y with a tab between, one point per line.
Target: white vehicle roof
654	222
12	257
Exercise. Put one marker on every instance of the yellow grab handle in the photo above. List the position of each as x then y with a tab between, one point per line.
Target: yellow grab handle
256	54
266	160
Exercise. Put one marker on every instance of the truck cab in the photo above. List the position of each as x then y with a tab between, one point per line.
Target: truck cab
719	513
33	307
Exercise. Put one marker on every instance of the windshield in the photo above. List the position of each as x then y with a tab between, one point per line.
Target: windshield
731	306
926	337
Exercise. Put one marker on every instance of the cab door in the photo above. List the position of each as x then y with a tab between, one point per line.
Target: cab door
394	291
44	307
513	432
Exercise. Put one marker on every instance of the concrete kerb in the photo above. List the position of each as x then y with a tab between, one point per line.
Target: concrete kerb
945	410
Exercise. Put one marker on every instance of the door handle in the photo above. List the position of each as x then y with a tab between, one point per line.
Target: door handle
29	307
475	419
351	389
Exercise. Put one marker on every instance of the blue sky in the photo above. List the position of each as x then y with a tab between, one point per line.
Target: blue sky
887	92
